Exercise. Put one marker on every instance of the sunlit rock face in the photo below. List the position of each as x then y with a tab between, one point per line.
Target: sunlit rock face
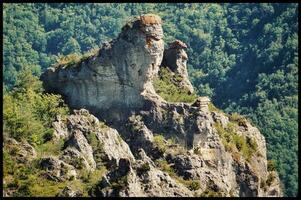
116	86
111	82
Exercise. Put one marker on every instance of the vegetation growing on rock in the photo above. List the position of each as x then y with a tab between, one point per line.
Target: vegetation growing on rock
167	86
250	76
234	142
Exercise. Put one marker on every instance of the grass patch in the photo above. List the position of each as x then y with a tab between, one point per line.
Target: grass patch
212	108
246	146
143	168
167	86
271	165
238	119
50	148
159	143
74	58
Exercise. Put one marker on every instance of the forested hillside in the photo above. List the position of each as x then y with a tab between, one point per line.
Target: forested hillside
243	56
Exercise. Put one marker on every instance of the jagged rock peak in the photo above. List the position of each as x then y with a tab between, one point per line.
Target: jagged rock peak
176	58
177	44
110	83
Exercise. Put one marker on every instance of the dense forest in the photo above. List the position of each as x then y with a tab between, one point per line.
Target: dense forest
243	56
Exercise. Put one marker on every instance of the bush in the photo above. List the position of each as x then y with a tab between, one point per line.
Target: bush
231	140
212	108
50	148
167	86
271	165
28	113
143	168
159	143
194	185
240	120
164	166
69	60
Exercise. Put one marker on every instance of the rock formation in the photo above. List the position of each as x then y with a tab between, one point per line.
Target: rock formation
111	82
149	146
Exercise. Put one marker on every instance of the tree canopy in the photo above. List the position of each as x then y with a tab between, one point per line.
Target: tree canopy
244	56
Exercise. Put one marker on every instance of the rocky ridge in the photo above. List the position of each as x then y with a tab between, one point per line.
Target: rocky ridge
149	146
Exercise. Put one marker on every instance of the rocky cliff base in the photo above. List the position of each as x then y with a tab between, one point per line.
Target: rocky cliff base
94	159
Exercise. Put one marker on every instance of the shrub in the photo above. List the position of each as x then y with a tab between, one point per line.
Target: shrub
194	185
166	85
50	148
239	142
212	108
164	166
92	139
252	144
120	183
271	165
240	120
143	168
28	113
160	143
68	60
231	140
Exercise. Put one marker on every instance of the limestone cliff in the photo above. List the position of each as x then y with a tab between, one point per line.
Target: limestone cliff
111	82
150	146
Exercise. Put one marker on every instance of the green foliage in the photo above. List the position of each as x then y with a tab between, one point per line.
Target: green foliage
194	185
212	108
166	85
92	139
50	148
28	113
231	140
91	178
271	165
143	168
236	118
160	143
68	60
164	166
120	183
243	56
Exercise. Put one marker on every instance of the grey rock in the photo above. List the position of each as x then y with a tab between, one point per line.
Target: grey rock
69	192
57	170
175	58
79	142
116	85
111	83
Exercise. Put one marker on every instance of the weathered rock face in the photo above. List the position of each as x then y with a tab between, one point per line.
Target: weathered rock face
111	82
175	58
208	155
138	165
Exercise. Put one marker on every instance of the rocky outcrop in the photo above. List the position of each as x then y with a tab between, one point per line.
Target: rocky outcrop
22	151
56	169
110	83
175	58
203	152
90	139
69	192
